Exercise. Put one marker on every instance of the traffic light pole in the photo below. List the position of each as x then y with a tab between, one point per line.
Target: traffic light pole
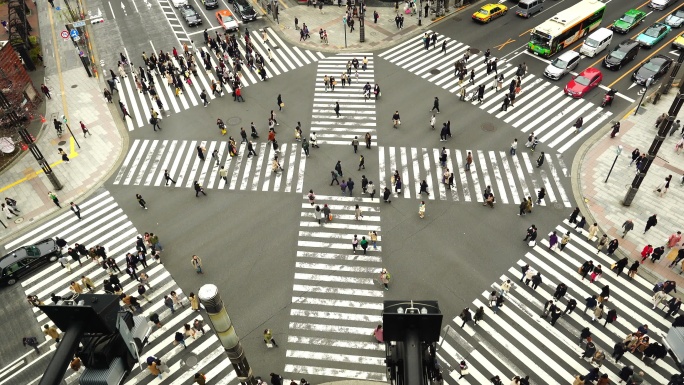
223	326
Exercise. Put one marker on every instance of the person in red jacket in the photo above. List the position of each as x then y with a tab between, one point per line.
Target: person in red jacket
646	252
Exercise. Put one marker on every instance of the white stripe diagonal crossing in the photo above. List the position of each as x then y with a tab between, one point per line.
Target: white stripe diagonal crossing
146	161
285	58
540	107
504	173
357	113
518	341
104	223
337	297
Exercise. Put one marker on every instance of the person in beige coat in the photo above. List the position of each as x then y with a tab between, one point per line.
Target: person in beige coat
194	301
76	288
52	332
593	230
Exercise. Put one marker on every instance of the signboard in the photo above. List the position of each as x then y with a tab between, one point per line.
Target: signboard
80	23
74	33
65	34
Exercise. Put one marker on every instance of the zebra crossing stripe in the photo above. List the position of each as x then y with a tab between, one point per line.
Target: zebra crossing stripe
454	192
535	183
405	175
507	171
522	110
126	161
238	164
556	178
333	372
594	124
497	176
397	49
551	100
438	174
157	159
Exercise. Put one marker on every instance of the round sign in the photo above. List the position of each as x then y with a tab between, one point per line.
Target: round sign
65	34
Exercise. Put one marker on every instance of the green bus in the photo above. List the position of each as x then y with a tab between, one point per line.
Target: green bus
566	27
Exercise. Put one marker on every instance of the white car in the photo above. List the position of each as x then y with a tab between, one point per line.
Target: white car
661	4
179	3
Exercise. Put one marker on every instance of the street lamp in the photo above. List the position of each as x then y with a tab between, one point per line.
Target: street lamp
618	151
420	13
362	30
648	83
344	27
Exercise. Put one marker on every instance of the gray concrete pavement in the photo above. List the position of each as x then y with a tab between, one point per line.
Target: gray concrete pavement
80	97
601	202
378	35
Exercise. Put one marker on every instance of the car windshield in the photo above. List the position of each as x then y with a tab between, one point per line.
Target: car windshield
523	5
227	19
618	54
581	80
540	40
679	14
189	12
558	63
653	32
651	66
591	43
483	11
627	19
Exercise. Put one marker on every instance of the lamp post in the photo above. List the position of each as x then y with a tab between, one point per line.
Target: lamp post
648	83
362	30
65	121
420	13
344	27
618	151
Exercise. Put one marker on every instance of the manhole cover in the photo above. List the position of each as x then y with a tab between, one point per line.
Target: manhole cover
488	127
234	121
276	47
474	51
62	142
74	86
435	71
19	220
190	361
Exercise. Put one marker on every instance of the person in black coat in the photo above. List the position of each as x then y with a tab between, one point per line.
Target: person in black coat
536	280
611	317
612	246
584	334
620	265
626	372
573	215
673	306
560	292
572	304
652	221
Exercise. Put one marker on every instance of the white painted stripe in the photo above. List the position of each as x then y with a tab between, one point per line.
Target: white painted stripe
509	177
248	169
438	176
498	178
176	162
337	290
549	100
192	150
375	319
314	224
461	171
405	174
337	303
330	342
155	164
521	178
259	164
530	172
333	278
192	172
300	172
343	257
454	189
336	357
238	162
217	167
127	160
136	161
416	170
556	178
333	372
331	328
267	174
428	176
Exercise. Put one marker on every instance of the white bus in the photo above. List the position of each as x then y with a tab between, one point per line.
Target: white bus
566	27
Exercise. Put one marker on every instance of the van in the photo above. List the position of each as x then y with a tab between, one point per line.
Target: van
527	8
561	65
624	53
597	42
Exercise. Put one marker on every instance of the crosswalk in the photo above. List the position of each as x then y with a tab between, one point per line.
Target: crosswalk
541	107
337	297
146	161
104	223
357	115
518	341
512	178
285	58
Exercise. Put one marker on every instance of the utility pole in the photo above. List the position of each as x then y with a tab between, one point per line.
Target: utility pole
223	326
663	129
362	30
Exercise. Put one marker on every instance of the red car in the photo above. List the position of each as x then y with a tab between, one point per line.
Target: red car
581	84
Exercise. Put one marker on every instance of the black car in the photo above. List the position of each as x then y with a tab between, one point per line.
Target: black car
655	67
244	9
210	4
190	15
26	259
624	53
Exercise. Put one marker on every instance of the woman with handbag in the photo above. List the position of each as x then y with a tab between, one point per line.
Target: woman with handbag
197	264
463	369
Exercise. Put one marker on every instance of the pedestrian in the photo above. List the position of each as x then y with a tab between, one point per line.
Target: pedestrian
85	129
578	125
75	209
32	342
635	155
385	278
536	280
279	100
52	332
589	350
596	274
465	316
337	109
506	102
355	243
619	350
612	246
268	338
421	210
657	253
64	155
652	221
350	186
424	187
540	160
553	240
198	189
435	105
46	91
124	110
167	178
54	198
555	315
674	239
479	316
197	264
663	187
141	201
469	161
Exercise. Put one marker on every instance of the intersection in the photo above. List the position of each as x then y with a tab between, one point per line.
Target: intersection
279	269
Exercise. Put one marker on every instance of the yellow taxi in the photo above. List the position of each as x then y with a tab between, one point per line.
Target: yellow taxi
489	12
679	42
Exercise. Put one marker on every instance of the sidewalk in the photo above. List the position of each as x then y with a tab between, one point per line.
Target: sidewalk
601	202
377	36
81	98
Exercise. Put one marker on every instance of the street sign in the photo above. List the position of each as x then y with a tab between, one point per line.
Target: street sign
74	33
76	38
79	23
65	34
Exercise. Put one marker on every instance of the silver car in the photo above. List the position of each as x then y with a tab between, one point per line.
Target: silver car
676	19
562	65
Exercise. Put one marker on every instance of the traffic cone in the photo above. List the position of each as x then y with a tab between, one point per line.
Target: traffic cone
42	119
